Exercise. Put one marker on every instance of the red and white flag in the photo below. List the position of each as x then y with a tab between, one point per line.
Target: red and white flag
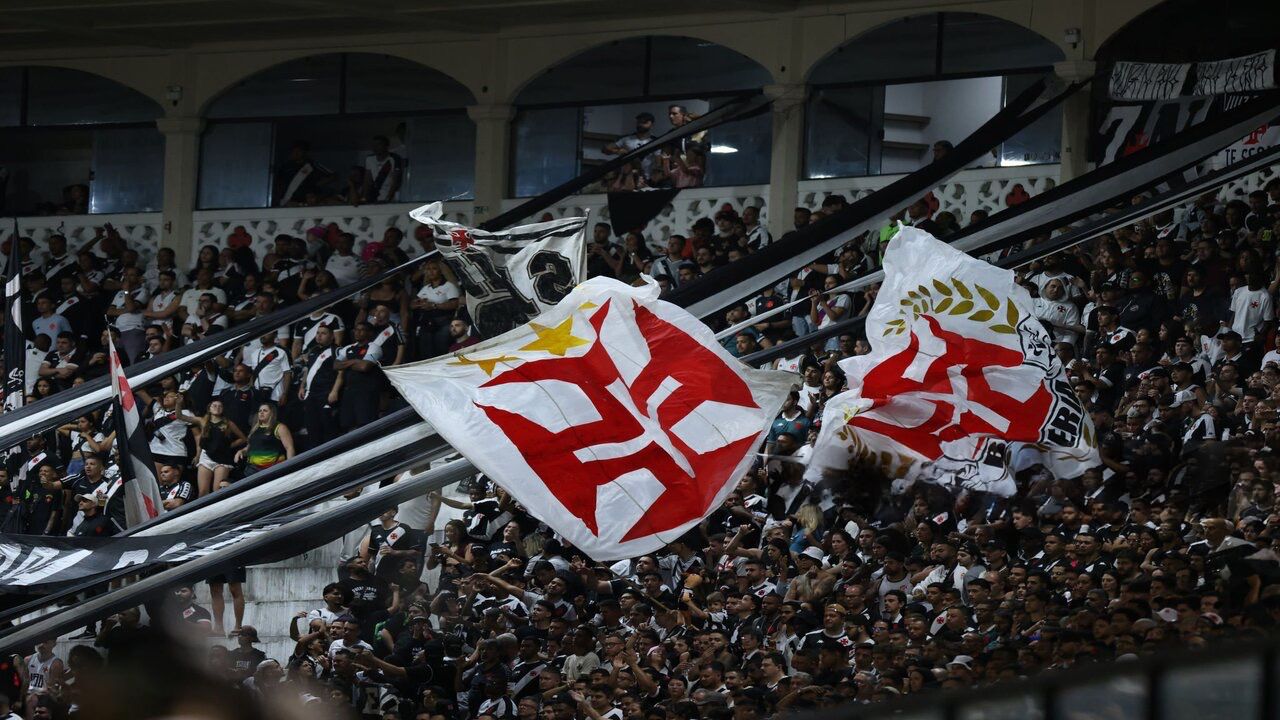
614	417
142	493
962	384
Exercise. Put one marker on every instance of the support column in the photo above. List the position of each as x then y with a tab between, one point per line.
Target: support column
786	157
1075	119
493	162
181	174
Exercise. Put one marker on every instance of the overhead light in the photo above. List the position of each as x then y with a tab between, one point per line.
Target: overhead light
1014	162
723	149
302	79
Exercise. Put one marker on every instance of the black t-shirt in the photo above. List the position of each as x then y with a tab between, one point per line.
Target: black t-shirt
402	537
239	405
244	661
369	596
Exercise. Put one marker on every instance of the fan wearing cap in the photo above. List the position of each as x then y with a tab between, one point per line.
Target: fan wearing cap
834	616
245	658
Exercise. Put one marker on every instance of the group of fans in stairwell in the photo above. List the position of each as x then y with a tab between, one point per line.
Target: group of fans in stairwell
803	590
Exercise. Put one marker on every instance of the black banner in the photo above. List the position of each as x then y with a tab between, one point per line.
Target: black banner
633	210
42	563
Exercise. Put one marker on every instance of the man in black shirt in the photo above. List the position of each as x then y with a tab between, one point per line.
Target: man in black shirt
240	401
245	658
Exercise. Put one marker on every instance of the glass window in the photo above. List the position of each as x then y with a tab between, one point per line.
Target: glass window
980	43
841	133
58	96
307	86
674	60
612	70
235	170
545	151
905	48
382	83
740	152
1040	142
1228	689
10	97
441	157
128	170
43	164
1025	707
1124	696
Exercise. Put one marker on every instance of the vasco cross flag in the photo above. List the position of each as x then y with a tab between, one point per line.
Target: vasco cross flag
510	275
614	417
960	378
137	474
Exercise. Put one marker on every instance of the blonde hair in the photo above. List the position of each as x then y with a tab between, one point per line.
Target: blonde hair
810	516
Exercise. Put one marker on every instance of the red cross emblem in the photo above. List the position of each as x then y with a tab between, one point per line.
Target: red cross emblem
461	238
887	383
661	421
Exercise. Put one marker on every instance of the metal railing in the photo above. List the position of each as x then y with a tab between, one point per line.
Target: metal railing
1233	680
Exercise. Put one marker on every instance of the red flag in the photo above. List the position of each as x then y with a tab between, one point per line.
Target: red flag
614	417
142	493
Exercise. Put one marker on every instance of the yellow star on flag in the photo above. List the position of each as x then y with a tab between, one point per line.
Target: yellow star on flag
556	340
485	364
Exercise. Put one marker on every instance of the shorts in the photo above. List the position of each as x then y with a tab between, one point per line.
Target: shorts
234	576
208	463
181	461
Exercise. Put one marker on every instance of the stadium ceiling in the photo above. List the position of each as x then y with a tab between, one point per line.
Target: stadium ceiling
175	24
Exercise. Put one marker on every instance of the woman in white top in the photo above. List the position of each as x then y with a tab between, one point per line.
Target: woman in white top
434	307
168	431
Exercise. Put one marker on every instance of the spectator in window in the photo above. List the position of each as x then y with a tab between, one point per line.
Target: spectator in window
641	137
383	172
941	149
299	177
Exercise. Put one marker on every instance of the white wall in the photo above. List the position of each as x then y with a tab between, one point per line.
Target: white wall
955	109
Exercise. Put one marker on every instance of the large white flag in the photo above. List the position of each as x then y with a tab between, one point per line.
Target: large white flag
509	276
961	378
614	417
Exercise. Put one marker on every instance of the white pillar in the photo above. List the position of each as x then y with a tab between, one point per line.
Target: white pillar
493	145
181	175
786	158
1075	119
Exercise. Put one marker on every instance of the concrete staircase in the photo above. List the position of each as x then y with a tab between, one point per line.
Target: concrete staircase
274	593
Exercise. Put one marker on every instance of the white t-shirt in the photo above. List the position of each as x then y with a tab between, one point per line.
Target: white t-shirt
446	292
130	321
1059	313
345	268
1250	309
841	300
1271	357
191	298
271	375
381	174
160	301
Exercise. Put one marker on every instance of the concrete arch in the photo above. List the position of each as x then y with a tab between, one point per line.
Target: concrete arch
859	25
217	74
528	58
137	74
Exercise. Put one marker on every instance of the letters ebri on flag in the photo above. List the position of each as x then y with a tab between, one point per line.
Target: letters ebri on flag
614	417
509	276
960	378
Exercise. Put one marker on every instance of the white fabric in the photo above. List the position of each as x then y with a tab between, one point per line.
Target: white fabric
959	375
1250	309
607	393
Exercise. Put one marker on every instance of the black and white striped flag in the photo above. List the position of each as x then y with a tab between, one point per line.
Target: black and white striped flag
15	342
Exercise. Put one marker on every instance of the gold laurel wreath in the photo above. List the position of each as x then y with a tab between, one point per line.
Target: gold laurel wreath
956	300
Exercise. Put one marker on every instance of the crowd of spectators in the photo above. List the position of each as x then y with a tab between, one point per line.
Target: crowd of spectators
803	590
